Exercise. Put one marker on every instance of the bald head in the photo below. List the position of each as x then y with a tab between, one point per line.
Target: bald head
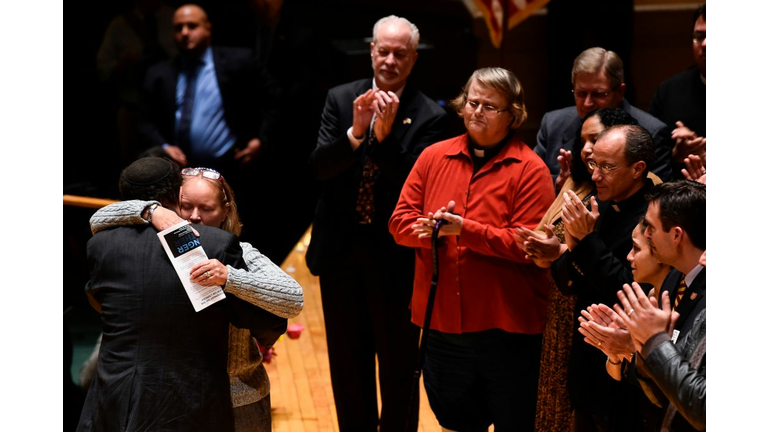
620	160
192	30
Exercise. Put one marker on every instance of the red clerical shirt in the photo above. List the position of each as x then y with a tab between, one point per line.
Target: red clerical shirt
485	280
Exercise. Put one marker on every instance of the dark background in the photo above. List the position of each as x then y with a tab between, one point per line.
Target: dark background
653	42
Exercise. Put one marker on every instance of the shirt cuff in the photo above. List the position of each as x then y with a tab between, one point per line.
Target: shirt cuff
352	140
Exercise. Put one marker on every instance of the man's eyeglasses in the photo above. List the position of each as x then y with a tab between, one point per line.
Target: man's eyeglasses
596	95
699	37
207	173
604	169
488	110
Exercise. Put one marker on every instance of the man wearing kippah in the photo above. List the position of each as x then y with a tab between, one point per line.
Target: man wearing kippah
161	366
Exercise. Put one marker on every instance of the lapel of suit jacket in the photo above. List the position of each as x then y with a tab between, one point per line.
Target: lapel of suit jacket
693	295
406	110
687	309
569	133
169	93
221	67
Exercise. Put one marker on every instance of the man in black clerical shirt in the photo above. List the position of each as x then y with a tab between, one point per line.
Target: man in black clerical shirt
594	267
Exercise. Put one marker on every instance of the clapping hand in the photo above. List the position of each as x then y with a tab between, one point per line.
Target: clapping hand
452	225
541	247
695	169
687	143
577	219
603	328
565	168
385	106
642	315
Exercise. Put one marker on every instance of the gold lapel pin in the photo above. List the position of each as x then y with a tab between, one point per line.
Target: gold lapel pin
407	120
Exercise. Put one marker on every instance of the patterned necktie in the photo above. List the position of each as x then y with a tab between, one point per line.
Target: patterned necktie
680	292
364	206
187	104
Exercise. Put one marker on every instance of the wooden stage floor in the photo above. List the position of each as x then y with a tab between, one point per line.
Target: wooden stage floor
302	399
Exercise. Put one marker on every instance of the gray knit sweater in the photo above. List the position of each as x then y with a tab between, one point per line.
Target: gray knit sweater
264	284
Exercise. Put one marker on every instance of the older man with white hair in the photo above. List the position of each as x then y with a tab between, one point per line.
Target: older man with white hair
371	133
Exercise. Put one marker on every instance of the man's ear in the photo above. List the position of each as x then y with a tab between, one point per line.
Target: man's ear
677	234
621	89
638	169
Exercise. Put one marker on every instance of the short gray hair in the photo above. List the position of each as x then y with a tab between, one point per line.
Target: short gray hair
596	60
393	18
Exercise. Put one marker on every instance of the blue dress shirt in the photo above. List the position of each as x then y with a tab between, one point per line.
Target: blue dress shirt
210	137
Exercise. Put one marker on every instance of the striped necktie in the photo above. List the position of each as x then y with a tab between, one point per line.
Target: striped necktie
680	292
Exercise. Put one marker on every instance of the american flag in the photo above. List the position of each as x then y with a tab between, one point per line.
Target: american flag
502	15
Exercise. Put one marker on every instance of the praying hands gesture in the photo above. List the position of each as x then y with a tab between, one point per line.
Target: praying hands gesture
578	220
451	226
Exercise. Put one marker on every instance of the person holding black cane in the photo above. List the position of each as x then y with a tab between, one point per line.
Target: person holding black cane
482	352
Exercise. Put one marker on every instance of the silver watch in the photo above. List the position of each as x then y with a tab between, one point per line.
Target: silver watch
151	210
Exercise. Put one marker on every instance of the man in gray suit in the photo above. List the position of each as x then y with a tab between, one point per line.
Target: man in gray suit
598	82
162	366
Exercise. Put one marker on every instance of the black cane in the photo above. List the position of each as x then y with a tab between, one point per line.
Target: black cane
425	329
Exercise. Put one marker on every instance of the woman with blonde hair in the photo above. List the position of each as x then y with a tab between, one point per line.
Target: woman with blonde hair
207	199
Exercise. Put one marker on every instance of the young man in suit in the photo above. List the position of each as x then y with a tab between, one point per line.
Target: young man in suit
372	131
670	364
676	231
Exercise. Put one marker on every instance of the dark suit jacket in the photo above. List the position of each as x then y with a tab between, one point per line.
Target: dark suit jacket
248	93
693	301
560	127
419	122
162	366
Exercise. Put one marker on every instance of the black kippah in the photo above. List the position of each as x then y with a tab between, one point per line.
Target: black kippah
147	171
